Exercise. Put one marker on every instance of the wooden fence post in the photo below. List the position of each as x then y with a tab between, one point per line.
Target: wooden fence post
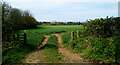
18	37
78	33
25	37
72	34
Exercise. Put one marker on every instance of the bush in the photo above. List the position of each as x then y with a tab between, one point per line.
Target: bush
97	49
104	27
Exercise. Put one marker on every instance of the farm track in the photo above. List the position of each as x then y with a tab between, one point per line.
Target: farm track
68	54
37	55
69	57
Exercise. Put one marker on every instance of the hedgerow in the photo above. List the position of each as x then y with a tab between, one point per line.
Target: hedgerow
96	49
104	28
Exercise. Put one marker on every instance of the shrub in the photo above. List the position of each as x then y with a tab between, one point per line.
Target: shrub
104	27
97	49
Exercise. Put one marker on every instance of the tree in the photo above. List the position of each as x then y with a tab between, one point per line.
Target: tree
15	19
29	21
6	24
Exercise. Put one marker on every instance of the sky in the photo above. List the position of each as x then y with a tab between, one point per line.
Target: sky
67	10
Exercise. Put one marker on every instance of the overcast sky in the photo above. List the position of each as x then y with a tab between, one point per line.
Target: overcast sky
67	10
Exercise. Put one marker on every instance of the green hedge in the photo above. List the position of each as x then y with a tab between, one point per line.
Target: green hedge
97	49
104	27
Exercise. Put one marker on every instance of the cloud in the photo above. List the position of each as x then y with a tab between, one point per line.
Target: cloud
61	0
64	10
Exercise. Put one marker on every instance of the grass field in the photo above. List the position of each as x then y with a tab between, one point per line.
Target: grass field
52	29
34	37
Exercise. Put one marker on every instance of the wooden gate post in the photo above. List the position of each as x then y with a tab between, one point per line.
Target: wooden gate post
18	37
72	34
78	33
25	37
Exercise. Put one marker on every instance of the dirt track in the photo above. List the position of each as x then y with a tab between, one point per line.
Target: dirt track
68	54
37	55
69	57
44	41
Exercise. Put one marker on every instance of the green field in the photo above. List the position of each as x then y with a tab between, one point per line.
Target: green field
52	29
34	37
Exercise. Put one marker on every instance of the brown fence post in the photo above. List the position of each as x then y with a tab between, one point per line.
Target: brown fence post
78	33
25	37
72	34
18	37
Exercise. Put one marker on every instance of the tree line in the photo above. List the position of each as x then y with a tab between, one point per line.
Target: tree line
15	19
59	23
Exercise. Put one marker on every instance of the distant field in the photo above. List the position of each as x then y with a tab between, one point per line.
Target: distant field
34	36
44	30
